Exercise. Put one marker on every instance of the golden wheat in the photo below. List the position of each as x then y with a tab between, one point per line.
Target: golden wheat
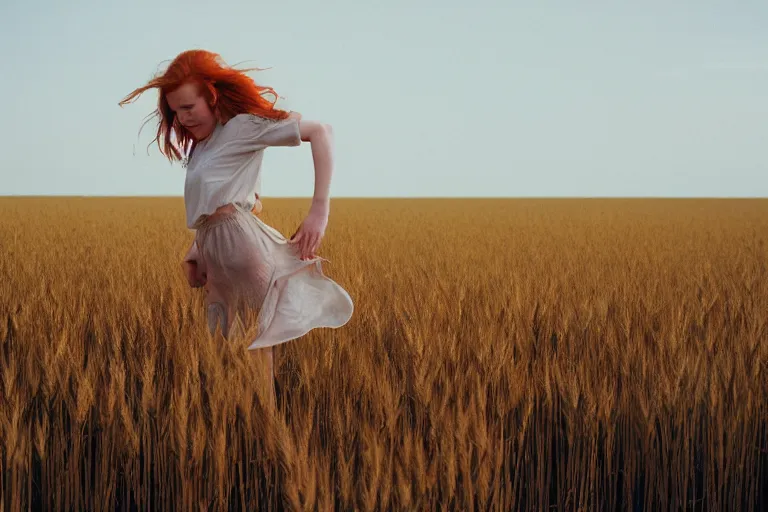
504	355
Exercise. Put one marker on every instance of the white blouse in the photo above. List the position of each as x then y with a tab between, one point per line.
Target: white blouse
226	167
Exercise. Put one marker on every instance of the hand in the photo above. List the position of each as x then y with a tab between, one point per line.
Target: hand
311	232
257	207
195	278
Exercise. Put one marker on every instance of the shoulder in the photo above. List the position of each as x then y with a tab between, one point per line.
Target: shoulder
257	120
241	120
244	126
266	131
253	124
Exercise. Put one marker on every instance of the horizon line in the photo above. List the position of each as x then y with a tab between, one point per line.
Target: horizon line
309	198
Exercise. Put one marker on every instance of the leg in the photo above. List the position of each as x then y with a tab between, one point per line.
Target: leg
239	268
218	310
217	317
272	375
222	315
265	358
271	358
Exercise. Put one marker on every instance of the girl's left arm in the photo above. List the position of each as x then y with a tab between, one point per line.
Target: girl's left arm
320	136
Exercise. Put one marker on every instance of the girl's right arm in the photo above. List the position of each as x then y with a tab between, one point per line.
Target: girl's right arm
190	266
192	253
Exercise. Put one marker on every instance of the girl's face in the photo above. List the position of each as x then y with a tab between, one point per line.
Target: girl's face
192	110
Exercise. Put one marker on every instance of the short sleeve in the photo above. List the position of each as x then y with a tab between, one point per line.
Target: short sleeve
260	132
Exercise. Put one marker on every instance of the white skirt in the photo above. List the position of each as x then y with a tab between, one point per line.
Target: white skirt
248	261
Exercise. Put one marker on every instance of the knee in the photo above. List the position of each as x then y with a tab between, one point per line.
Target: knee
217	315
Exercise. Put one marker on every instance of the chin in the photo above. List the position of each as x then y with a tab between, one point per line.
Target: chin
202	134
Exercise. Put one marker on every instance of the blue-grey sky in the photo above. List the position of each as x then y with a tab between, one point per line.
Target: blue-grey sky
426	97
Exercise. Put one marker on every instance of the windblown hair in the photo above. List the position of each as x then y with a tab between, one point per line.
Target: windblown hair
227	90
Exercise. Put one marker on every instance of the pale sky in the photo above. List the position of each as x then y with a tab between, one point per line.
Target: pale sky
427	98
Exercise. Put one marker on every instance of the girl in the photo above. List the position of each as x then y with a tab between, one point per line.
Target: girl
220	115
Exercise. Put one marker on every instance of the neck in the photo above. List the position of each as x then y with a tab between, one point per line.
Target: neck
215	126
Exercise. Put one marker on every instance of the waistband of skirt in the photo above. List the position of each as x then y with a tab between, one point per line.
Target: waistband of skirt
222	213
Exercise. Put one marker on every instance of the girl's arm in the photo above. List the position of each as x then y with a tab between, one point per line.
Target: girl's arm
191	267
192	253
320	136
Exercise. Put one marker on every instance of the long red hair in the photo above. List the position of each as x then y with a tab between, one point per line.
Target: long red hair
227	90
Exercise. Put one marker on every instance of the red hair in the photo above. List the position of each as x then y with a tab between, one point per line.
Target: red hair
227	90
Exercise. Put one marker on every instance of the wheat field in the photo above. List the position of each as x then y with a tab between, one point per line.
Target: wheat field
504	354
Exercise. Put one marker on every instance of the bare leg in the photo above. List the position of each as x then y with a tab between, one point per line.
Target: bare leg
217	310
218	318
236	288
270	352
265	358
270	360
223	317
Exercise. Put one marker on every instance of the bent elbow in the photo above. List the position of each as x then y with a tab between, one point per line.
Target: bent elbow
328	130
